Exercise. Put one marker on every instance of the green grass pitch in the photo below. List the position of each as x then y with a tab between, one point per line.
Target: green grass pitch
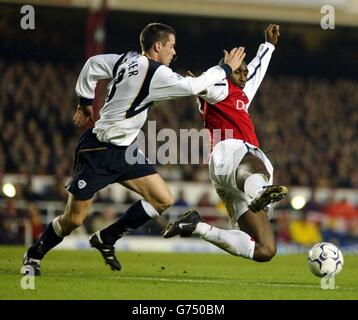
171	276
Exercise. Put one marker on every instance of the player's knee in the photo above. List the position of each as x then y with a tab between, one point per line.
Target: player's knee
69	224
72	219
269	252
265	253
77	221
164	202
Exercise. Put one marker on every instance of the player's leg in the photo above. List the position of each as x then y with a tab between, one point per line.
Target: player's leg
257	225
156	199
153	189
255	239
240	185
253	179
251	175
75	212
235	242
90	155
142	178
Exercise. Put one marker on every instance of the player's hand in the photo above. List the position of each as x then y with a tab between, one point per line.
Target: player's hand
235	57
82	115
272	33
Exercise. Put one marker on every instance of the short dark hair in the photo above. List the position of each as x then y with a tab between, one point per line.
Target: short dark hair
154	32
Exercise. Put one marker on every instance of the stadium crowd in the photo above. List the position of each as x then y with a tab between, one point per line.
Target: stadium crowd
308	127
36	103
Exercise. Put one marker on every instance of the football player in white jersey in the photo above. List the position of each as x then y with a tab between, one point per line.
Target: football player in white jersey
137	80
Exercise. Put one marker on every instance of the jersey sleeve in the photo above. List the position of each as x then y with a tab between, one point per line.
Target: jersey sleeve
216	93
257	69
96	68
167	84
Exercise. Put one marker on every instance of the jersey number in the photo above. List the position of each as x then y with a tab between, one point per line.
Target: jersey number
114	87
137	101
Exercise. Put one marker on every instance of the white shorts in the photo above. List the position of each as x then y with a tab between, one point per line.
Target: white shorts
224	160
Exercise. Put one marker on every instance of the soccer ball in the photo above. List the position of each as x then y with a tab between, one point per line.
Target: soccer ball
325	258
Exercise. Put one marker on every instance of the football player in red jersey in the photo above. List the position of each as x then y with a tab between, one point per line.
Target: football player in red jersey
240	172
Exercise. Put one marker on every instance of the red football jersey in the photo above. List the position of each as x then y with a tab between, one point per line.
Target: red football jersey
230	113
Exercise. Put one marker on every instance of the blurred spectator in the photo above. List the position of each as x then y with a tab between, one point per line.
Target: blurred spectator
57	191
105	196
341	209
213	213
128	198
28	193
281	227
103	219
11	223
340	221
33	213
181	201
313	205
303	231
205	200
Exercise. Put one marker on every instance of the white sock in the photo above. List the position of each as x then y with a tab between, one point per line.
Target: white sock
236	242
57	227
149	209
254	184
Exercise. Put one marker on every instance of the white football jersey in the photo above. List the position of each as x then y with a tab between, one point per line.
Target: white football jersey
136	83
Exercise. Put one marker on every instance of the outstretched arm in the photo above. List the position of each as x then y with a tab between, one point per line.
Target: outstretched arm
167	84
218	90
258	66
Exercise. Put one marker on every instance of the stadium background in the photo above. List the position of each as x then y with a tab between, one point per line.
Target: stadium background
305	113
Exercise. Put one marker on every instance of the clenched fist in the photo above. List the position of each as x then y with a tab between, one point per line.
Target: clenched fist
82	115
272	33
